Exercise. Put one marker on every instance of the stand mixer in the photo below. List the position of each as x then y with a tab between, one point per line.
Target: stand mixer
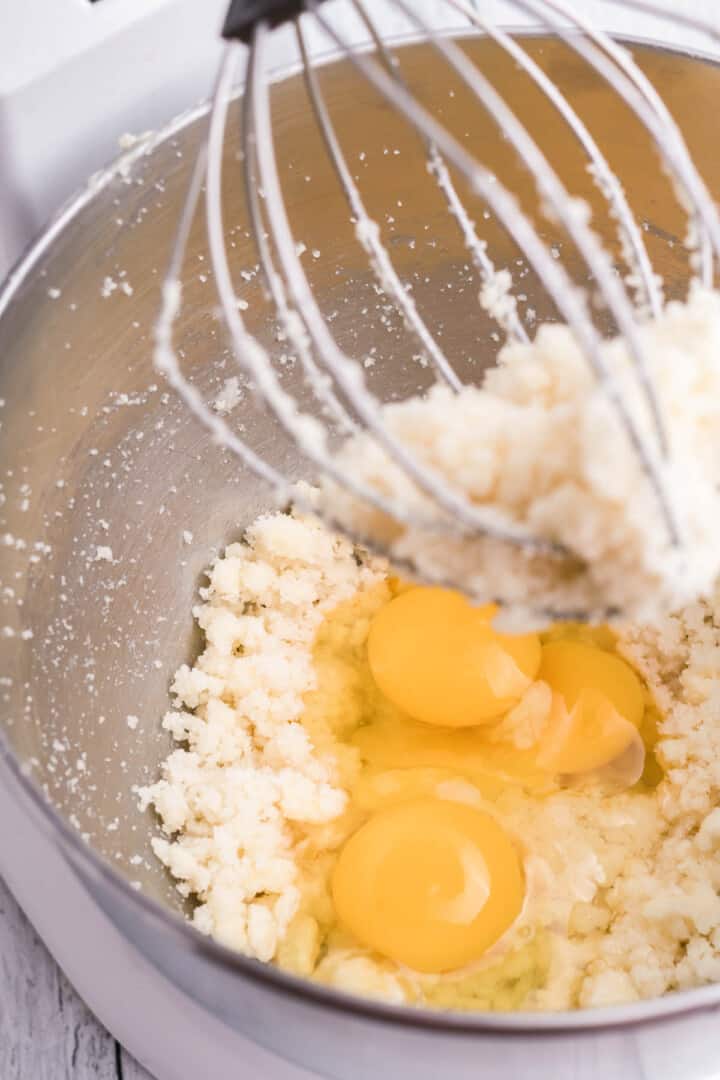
113	464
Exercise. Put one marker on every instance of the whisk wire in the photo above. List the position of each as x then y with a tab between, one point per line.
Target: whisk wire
632	243
165	356
368	231
291	323
616	67
704	25
506	315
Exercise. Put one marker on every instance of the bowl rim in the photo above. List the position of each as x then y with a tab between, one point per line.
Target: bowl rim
91	865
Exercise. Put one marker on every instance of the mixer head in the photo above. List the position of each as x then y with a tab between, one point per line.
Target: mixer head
345	404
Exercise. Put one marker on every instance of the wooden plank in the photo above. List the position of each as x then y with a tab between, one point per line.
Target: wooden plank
130	1069
46	1031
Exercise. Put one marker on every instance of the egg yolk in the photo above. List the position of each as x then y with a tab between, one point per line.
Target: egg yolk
597	708
432	884
438	659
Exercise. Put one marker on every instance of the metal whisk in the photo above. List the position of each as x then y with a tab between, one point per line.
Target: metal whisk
345	403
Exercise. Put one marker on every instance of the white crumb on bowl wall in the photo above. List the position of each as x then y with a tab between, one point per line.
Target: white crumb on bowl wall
229	397
128	140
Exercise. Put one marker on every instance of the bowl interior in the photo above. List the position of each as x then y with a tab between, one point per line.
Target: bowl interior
114	499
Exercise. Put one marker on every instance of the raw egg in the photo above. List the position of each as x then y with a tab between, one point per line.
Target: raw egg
438	659
598	706
429	883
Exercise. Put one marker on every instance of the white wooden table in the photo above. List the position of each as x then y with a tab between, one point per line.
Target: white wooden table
46	1031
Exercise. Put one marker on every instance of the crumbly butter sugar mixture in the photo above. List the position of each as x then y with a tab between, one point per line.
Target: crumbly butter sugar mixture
376	788
541	445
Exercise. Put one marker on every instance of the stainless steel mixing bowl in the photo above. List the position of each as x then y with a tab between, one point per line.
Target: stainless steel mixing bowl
114	500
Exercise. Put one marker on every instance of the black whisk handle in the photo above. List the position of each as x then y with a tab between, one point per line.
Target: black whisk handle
244	14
